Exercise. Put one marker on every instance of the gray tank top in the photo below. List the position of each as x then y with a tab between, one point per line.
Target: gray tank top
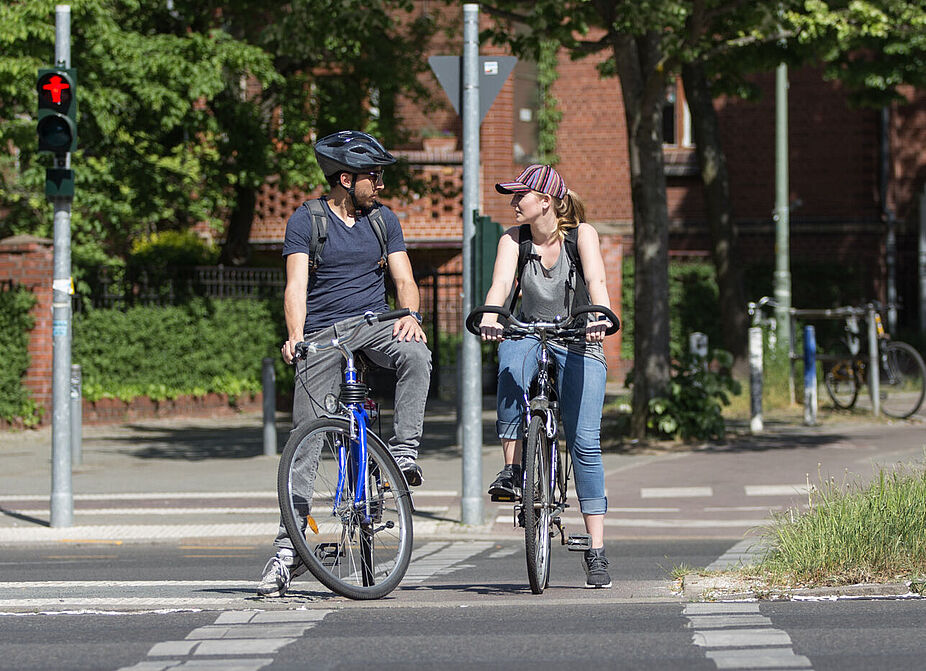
543	296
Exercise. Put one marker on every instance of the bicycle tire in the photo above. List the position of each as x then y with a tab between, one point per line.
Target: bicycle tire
842	382
536	504
350	556
902	380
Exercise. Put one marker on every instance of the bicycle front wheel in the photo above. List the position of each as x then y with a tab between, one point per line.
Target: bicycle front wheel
842	383
536	503
360	550
902	380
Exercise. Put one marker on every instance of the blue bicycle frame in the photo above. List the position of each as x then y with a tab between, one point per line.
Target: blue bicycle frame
353	464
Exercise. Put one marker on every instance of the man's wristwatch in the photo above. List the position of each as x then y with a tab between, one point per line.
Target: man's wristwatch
416	315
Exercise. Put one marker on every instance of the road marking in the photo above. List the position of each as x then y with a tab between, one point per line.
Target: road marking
135	496
657	524
153	511
439	559
777	490
137	532
231	642
732	639
744	553
674	492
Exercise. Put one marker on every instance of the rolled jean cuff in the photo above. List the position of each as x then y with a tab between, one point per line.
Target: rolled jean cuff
508	430
596	506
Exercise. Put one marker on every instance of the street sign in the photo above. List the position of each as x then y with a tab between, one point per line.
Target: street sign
493	71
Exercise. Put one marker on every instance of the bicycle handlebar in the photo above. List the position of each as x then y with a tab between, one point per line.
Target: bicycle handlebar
563	329
304	348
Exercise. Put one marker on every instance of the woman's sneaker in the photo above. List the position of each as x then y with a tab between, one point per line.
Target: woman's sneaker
507	485
279	573
596	569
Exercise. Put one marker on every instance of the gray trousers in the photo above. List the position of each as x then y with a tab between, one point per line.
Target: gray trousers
322	373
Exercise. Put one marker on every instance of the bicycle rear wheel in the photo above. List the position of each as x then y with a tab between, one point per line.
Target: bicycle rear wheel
536	501
359	551
902	380
842	383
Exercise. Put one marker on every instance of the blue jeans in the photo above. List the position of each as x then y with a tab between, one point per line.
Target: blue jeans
581	383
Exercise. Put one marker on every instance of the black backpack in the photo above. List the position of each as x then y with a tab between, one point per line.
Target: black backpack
576	280
319	218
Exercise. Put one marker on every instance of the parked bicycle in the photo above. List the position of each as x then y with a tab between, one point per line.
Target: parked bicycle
546	469
901	372
350	517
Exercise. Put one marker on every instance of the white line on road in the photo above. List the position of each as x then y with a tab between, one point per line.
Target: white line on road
657	524
734	641
439	559
674	492
134	496
776	490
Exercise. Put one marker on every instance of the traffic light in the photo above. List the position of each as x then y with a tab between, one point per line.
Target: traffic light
57	128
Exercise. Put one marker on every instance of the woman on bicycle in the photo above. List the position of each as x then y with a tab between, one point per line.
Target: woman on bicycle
551	283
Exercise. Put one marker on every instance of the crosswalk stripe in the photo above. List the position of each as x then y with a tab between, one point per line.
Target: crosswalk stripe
674	492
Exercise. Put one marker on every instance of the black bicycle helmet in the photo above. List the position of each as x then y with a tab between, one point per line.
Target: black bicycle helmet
351	151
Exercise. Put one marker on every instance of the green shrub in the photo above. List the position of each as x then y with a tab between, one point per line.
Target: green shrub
16	322
163	352
691	408
693	305
173	248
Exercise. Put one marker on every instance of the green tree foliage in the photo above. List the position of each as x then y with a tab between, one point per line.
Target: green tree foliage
15	323
186	108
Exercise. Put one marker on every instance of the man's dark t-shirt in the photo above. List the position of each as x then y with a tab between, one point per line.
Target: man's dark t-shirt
348	281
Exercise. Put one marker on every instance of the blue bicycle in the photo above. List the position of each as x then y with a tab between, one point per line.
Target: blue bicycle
343	499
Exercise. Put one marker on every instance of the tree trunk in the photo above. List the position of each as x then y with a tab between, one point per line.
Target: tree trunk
643	88
237	250
716	183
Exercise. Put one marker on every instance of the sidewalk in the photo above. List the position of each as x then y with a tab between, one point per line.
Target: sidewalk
208	477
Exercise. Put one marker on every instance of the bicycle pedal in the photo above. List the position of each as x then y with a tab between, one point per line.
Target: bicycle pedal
505	498
579	542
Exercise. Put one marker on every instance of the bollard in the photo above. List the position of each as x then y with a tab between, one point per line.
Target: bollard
697	345
268	376
874	370
755	379
76	418
810	376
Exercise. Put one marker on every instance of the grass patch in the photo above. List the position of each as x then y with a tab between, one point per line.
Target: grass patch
852	534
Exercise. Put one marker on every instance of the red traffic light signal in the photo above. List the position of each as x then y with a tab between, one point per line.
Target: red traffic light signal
57	127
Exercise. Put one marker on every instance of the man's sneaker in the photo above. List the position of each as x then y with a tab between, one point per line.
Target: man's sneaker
596	569
507	483
279	573
410	470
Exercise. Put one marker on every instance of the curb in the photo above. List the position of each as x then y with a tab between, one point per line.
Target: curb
726	588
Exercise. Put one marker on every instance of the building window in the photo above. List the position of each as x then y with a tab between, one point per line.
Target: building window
676	117
526	105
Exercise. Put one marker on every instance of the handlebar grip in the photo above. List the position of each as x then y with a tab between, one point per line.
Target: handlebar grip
607	312
471	324
393	314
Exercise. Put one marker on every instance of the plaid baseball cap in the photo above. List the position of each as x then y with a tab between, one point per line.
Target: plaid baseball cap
542	178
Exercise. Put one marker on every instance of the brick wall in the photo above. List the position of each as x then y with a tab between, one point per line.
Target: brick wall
29	261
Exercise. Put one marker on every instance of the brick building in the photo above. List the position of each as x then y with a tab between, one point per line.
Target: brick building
835	164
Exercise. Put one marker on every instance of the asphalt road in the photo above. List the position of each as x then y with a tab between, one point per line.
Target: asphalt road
463	604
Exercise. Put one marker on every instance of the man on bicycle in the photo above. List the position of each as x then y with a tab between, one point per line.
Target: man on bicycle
339	275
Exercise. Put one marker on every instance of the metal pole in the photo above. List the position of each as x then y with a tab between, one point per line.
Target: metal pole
62	498
268	379
874	376
810	376
782	214
471	417
755	379
77	456
922	264
890	238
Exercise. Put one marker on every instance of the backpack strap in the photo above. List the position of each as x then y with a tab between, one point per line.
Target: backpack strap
525	246
378	223
319	232
319	235
577	274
